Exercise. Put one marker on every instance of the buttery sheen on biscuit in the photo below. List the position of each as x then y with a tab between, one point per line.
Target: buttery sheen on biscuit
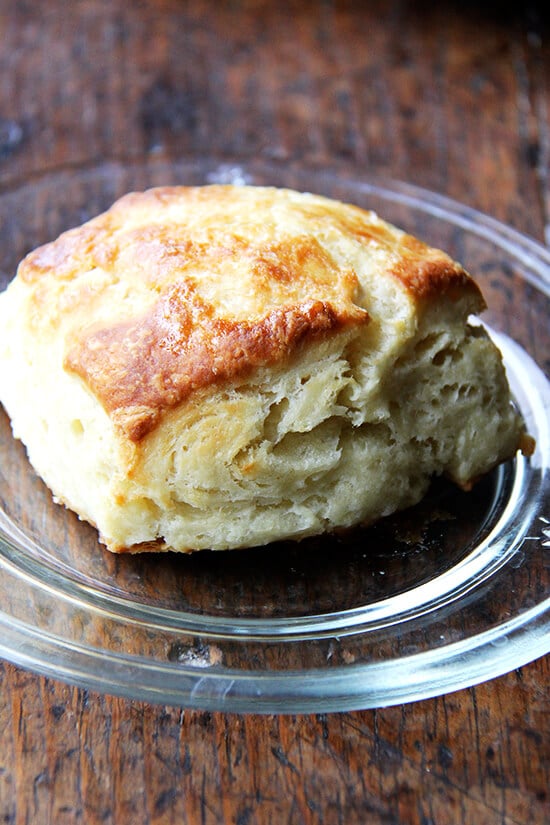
221	367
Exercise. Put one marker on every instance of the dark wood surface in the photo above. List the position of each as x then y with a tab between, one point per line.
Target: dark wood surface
447	95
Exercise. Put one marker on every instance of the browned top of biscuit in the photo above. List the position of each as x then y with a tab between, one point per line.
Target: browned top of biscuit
178	288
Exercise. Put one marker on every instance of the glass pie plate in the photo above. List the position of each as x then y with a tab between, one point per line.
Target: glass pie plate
440	597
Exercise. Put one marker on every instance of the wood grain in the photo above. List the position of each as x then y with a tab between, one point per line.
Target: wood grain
479	755
451	96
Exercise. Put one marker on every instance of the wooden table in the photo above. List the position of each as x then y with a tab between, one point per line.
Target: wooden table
449	96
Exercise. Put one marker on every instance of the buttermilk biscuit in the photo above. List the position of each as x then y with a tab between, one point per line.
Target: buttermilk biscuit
220	367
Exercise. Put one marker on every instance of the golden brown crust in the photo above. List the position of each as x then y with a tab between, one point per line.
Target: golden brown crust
138	369
223	286
426	272
435	275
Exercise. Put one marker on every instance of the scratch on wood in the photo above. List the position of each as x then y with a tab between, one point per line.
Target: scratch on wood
281	757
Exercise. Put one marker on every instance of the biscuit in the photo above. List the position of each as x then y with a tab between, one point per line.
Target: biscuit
221	367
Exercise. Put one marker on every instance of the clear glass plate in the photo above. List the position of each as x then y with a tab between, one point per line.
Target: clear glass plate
443	596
